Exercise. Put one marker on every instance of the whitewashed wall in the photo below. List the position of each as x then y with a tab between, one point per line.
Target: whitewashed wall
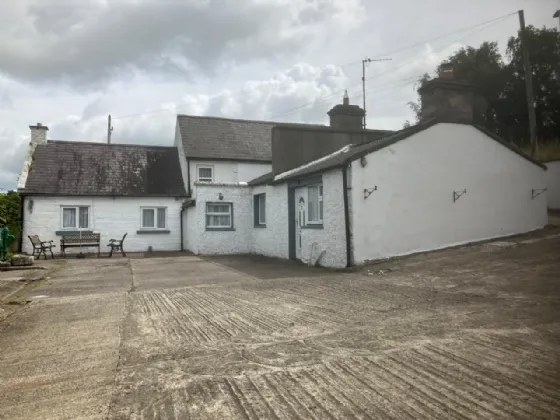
111	217
237	241
413	208
553	184
190	233
272	240
229	171
178	143
332	238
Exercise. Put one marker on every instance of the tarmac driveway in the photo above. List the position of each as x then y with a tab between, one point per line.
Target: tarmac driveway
464	333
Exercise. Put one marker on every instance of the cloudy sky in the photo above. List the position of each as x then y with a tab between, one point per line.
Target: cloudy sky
70	63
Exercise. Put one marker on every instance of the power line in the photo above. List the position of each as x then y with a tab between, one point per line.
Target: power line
241	92
487	23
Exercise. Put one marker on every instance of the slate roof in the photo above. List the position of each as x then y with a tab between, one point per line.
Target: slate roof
357	151
263	179
100	169
224	138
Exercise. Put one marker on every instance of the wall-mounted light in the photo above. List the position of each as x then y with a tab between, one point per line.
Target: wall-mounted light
363	161
220	196
30	206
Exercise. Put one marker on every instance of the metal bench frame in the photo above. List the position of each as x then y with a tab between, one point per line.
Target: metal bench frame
117	245
41	246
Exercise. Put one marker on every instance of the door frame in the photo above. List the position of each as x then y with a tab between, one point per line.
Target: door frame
292	211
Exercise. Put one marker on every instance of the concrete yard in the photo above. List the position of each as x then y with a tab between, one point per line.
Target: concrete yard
466	333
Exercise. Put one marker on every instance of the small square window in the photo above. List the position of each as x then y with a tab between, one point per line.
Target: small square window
205	173
154	218
75	217
219	216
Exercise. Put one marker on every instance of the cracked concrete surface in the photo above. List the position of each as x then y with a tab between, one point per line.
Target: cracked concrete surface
468	333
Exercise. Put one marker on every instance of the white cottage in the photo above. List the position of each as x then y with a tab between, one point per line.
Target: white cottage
340	195
334	195
112	189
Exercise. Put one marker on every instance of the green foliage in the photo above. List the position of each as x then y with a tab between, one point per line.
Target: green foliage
502	84
10	214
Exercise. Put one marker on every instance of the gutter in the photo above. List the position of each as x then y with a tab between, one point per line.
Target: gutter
346	216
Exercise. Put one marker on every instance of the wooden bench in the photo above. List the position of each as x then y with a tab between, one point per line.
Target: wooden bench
83	240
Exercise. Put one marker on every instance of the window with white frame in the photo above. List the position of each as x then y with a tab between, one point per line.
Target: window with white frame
154	218
75	217
205	173
219	216
260	209
315	204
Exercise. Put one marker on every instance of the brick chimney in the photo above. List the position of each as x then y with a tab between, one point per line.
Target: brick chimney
345	116
448	99
38	136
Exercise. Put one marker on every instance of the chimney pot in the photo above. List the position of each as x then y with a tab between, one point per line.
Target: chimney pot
446	71
346	98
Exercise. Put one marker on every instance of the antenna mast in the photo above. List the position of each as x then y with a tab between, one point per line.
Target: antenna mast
364	61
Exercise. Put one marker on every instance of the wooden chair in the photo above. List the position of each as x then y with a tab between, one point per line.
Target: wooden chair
117	245
41	246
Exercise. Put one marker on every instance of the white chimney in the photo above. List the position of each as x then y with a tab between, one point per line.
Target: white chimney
39	133
38	136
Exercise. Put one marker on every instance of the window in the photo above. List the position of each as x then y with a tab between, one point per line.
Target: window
75	217
205	173
219	216
315	204
260	210
154	218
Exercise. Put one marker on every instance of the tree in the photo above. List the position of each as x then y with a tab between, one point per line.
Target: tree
501	82
544	54
10	214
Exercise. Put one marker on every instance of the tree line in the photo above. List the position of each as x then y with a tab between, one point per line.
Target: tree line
501	83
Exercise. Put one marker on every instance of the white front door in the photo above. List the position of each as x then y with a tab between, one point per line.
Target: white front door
300	220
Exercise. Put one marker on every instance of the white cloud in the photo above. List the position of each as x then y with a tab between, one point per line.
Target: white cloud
70	63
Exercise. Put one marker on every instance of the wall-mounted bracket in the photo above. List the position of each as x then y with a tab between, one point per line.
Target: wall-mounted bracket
368	191
458	194
536	193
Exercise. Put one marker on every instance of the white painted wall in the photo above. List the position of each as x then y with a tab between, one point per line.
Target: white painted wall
272	240
332	238
112	218
229	171
413	208
178	143
190	235
553	184
237	241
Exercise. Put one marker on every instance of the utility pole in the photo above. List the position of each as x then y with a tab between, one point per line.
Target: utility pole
364	61
109	130
528	85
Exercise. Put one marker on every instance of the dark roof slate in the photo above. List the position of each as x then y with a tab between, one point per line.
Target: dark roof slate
263	179
99	169
224	138
357	151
